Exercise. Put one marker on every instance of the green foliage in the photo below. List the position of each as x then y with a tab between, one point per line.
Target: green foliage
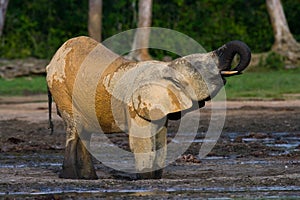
38	27
118	16
273	61
292	12
213	23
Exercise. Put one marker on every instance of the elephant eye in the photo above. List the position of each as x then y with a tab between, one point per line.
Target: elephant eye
175	81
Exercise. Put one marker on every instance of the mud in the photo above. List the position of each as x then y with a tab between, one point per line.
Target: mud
257	156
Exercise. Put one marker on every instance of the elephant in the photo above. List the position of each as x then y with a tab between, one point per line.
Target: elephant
85	79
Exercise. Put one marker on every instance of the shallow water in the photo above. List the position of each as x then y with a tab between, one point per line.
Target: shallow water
283	142
168	190
176	184
277	192
23	160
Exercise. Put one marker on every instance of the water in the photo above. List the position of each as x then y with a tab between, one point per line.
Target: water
226	191
24	160
283	143
40	164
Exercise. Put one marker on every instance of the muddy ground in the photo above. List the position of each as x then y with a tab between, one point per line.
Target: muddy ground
257	156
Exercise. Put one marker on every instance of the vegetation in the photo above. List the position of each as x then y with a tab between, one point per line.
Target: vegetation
23	86
272	84
37	28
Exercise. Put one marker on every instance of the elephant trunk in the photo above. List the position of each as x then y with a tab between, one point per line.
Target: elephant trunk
227	52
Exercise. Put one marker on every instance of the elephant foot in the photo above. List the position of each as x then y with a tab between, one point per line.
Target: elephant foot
157	174
75	173
68	173
89	174
77	162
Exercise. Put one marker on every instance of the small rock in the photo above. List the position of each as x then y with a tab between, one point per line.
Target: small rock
189	158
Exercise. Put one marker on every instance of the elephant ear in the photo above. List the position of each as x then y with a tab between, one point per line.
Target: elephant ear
155	101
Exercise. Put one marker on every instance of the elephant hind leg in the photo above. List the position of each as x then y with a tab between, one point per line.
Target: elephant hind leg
85	167
69	165
77	160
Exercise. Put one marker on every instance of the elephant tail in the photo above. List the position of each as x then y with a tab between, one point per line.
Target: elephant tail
51	127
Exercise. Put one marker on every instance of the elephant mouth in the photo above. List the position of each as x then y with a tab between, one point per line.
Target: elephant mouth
230	73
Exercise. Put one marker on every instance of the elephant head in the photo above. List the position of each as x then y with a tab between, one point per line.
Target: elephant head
166	89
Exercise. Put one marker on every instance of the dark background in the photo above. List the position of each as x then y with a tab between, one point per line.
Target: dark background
36	28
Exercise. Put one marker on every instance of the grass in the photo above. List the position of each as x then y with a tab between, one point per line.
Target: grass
23	86
250	85
264	84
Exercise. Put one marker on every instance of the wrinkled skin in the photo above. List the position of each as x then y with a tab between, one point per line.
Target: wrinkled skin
87	80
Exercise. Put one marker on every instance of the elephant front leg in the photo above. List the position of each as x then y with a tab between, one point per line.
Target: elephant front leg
149	150
77	160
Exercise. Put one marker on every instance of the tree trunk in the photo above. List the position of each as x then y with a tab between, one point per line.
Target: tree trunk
285	44
141	39
3	7
95	19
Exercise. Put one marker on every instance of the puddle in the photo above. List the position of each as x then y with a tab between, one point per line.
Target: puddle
183	192
21	160
31	165
281	143
215	158
193	141
264	140
285	143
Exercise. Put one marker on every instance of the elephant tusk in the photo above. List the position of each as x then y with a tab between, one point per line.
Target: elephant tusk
229	72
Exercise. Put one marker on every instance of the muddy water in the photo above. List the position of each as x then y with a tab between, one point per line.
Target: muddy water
35	176
275	174
257	156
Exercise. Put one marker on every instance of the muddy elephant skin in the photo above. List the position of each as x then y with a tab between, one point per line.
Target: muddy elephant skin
85	79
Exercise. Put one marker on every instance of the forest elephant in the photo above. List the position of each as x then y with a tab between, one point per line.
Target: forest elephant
134	97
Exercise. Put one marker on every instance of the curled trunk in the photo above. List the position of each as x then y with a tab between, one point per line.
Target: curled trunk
227	52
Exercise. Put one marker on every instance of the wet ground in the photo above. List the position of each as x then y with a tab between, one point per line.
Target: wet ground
257	156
